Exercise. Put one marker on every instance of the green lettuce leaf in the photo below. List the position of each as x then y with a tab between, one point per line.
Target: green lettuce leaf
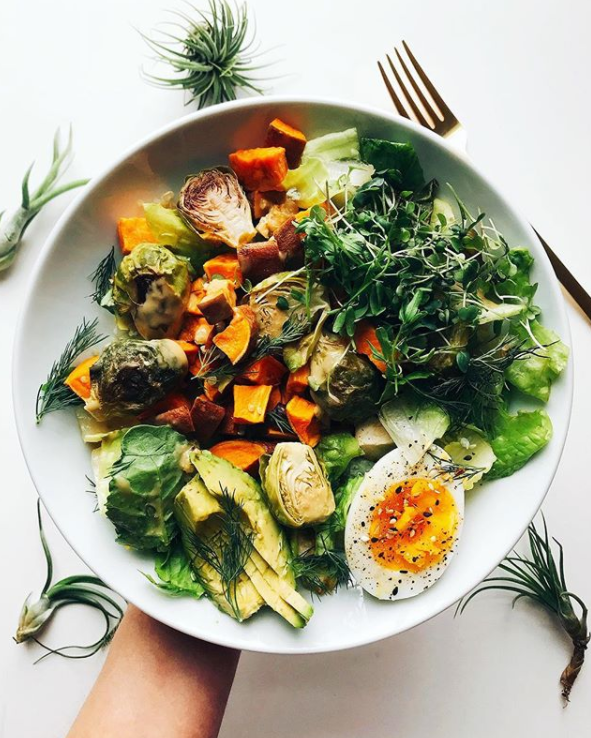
516	439
175	573
143	484
535	373
398	161
335	452
516	267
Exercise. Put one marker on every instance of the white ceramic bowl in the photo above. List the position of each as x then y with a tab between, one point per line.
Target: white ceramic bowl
496	515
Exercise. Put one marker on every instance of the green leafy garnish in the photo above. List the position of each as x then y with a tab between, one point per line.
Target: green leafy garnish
12	229
211	54
53	394
80	589
102	276
539	577
144	481
321	573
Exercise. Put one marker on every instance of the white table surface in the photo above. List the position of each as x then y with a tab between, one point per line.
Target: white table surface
516	73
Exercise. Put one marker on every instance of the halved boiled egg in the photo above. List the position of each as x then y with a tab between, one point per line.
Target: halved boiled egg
403	525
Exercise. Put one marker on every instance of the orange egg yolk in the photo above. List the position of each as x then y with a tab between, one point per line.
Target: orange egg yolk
414	527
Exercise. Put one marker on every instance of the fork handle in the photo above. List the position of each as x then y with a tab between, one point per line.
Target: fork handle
568	280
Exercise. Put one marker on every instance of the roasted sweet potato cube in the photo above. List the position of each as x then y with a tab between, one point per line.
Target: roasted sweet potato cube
178	418
133	231
240	336
260	169
225	266
267	370
260	260
243	454
293	141
207	417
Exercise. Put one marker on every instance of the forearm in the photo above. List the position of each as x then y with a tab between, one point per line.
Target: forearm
157	683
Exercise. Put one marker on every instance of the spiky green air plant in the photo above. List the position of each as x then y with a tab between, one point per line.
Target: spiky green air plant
211	54
80	589
12	228
540	578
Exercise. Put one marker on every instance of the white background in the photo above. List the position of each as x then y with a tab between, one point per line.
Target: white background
516	73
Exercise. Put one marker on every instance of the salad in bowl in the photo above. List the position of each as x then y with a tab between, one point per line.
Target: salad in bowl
317	354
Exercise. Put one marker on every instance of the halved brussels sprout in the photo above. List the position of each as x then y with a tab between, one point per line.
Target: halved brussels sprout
214	204
131	375
280	297
296	486
152	286
344	384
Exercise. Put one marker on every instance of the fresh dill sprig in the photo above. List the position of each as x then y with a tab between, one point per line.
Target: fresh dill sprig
539	577
321	573
102	276
293	329
80	589
211	53
278	417
475	394
226	550
53	394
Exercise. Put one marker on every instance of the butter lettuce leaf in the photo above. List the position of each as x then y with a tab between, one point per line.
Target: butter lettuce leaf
175	573
535	373
336	451
516	439
144	481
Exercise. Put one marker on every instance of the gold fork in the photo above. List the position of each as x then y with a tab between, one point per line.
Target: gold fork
422	104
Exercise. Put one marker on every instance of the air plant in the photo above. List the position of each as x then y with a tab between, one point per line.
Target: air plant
540	578
13	227
80	589
211	53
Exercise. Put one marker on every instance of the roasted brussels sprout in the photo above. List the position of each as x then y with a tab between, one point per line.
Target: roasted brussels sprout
296	485
131	375
345	385
152	286
273	302
213	203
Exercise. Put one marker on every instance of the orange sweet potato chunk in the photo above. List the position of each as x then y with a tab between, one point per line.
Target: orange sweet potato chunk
260	169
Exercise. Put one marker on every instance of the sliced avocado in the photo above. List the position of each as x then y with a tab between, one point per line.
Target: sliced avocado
269	540
283	589
271	597
196	511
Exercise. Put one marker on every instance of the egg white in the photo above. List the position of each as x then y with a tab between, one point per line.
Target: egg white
384	582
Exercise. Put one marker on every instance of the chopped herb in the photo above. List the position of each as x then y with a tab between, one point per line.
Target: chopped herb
53	394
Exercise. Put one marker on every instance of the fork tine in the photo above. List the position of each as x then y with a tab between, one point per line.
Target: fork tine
437	99
429	108
397	104
417	113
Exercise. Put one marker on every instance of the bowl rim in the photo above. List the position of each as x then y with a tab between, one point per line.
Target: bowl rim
551	283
